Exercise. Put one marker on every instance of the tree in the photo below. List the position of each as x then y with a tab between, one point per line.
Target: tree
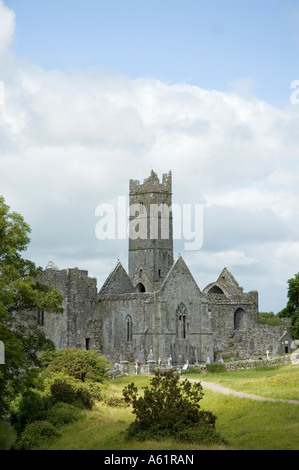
269	318
77	363
292	308
20	293
169	408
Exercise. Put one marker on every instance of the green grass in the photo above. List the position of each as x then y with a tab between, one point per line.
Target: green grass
253	425
245	424
281	382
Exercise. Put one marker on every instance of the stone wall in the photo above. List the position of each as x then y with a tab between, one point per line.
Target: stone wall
78	325
117	314
178	321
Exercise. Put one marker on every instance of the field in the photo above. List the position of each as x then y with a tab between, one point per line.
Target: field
245	424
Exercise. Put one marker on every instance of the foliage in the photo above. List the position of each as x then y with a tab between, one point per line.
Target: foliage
216	367
167	408
64	392
53	390
63	413
78	363
269	318
292	308
20	293
244	424
29	407
115	401
199	433
35	434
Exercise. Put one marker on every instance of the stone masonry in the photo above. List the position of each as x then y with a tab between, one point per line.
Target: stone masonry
157	309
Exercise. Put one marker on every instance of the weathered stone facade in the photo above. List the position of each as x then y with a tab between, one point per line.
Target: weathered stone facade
157	310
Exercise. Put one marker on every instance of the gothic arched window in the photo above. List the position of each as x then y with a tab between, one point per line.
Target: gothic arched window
129	329
181	314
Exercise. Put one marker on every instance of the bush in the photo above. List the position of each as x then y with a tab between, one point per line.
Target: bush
63	413
64	392
115	401
200	433
169	407
35	434
32	406
95	390
84	398
193	370
77	363
216	367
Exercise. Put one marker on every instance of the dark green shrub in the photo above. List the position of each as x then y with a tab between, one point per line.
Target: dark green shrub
35	434
216	367
115	401
63	413
77	363
83	397
33	406
199	433
64	392
95	389
167	408
193	370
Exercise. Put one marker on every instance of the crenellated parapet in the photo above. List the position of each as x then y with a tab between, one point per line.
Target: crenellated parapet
152	184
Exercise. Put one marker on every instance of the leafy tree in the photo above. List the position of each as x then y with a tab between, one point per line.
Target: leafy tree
269	318
292	308
77	363
169	408
20	293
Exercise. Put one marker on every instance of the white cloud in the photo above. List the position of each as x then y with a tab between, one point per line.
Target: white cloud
283	203
232	258
287	253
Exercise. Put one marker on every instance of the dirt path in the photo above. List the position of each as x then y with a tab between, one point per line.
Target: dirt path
229	391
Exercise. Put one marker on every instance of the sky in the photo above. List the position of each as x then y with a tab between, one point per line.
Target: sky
94	93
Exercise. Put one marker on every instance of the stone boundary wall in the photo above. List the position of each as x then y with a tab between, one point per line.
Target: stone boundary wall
253	364
147	369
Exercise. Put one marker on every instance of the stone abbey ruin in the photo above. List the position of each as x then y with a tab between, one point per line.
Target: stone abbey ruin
156	309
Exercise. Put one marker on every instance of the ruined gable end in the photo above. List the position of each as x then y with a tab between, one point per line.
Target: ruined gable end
180	277
118	282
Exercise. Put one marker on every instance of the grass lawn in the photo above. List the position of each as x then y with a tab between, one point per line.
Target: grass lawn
280	382
245	424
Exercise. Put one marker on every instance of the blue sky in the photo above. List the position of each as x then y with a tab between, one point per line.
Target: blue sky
211	44
94	93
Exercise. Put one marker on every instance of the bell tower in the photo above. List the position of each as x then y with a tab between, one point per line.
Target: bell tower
150	231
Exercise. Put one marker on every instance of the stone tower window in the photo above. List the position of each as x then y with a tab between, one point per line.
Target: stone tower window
181	313
129	329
